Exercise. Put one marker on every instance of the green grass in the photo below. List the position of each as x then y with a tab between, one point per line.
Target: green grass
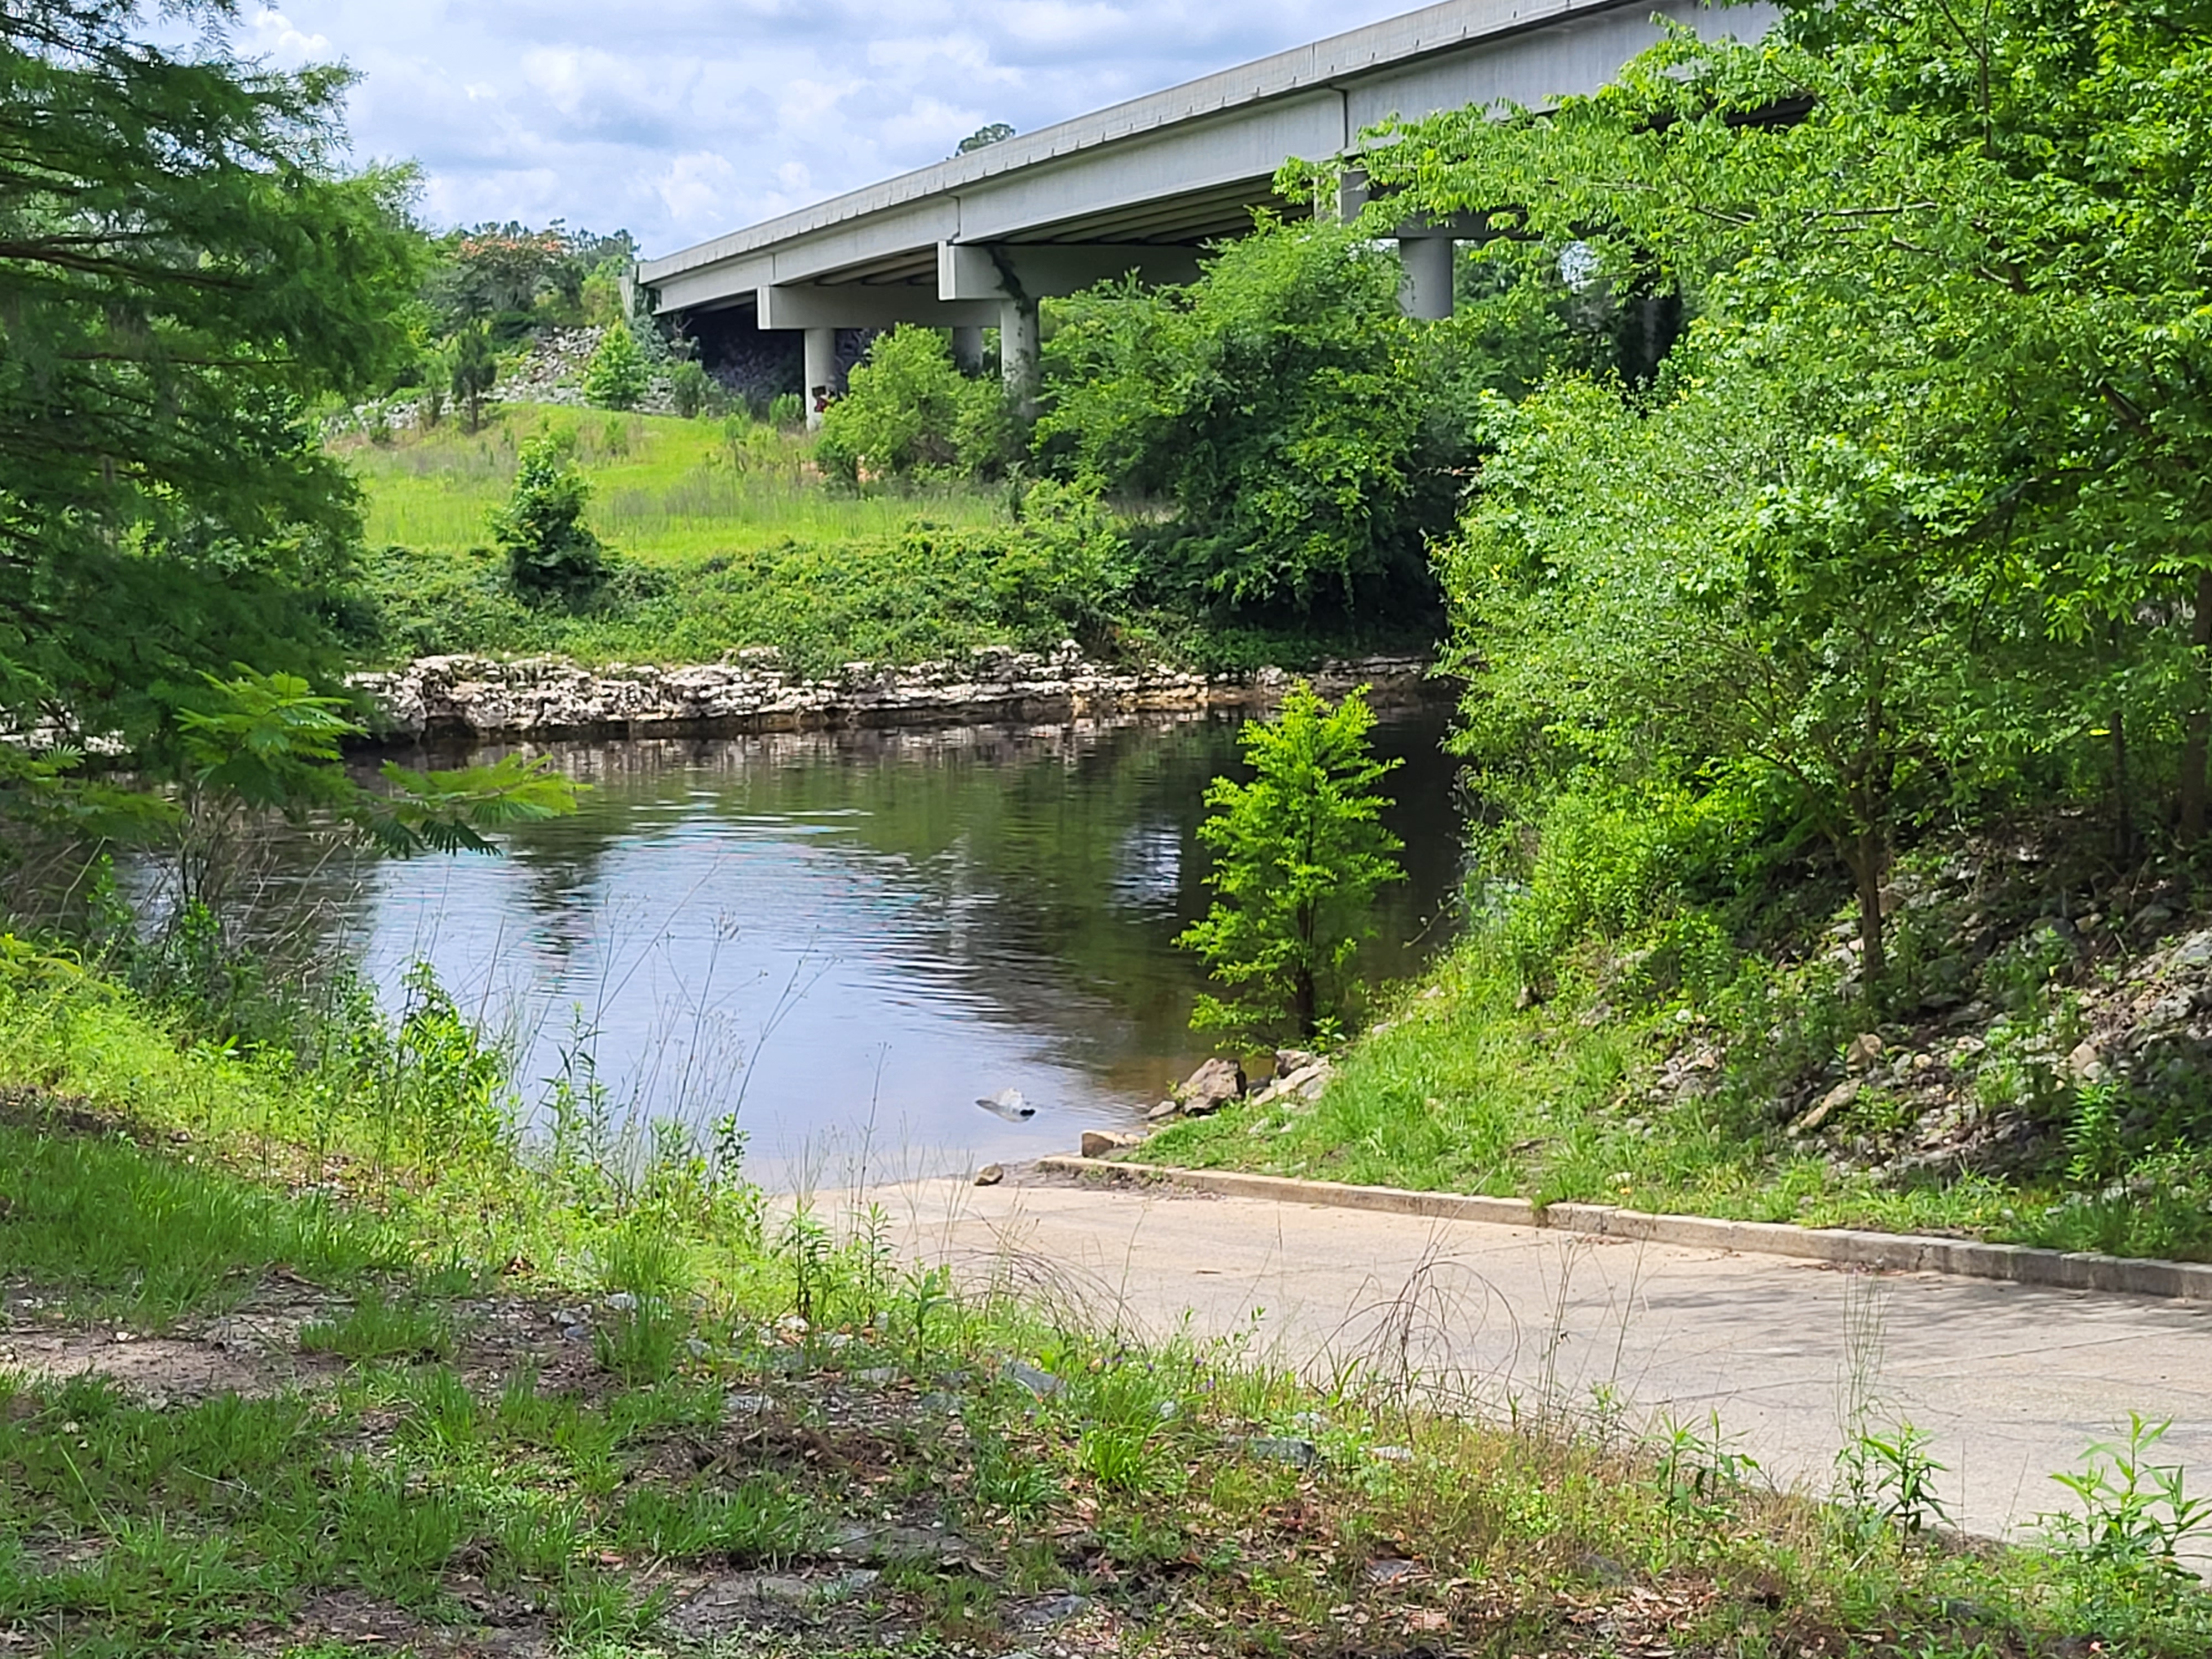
724	538
1468	1090
380	1326
667	492
443	1464
142	1238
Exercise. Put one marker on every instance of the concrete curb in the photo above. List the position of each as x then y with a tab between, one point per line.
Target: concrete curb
2071	1270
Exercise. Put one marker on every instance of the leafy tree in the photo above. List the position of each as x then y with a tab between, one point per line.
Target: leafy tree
183	265
618	377
1743	585
910	412
474	371
552	553
1299	852
983	137
1274	402
2018	187
510	278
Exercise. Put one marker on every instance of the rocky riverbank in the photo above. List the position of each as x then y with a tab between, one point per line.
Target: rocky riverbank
485	697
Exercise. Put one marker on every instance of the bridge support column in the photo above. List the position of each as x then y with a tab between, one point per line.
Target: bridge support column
1425	288
1018	352
968	349
821	373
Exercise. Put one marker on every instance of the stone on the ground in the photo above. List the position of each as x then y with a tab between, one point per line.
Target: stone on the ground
990	1175
1832	1102
1283	1449
1041	1383
2085	1063
1211	1086
1164	1111
1289	1061
1865	1048
1104	1143
1047	1611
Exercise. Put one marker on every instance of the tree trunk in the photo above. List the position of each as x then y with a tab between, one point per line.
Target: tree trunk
1867	860
1302	1003
2197	729
2124	817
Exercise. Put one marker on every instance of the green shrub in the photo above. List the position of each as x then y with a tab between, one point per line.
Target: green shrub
786	410
616	377
1299	851
550	552
1281	405
690	389
909	412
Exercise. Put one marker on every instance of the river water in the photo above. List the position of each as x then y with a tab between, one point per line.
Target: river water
846	938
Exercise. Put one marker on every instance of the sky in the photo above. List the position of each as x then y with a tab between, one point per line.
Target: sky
684	119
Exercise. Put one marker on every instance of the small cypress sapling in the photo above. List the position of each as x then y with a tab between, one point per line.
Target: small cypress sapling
550	552
476	370
616	377
1299	853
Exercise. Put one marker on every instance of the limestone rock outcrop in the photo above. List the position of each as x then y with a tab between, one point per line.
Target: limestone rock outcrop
544	697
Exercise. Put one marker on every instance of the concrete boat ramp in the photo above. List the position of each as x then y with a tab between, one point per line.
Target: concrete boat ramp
2012	1381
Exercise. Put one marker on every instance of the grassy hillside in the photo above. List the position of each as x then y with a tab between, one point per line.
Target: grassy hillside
723	536
668	492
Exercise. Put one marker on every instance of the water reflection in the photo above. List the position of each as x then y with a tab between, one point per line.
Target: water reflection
849	937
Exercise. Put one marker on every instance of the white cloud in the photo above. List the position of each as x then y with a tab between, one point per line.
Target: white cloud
272	36
696	117
697	190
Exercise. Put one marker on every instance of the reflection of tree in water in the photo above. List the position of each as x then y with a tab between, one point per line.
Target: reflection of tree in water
1042	871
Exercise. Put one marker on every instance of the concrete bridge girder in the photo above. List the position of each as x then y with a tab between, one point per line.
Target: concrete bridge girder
1142	185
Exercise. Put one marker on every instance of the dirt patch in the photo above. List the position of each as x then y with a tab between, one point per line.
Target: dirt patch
356	1619
726	1604
159	1370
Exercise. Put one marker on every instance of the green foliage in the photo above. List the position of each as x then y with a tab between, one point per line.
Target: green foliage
1891	1477
550	552
183	267
618	376
691	389
268	743
1299	851
1276	403
380	1326
474	371
909	412
2135	1514
995	132
930	590
140	1236
1909	530
505	279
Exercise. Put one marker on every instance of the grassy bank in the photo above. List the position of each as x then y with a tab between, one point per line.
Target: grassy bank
724	535
666	491
2038	1075
357	1371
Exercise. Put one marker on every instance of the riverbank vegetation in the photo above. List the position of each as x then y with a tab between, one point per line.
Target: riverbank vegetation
310	1346
311	1350
1837	703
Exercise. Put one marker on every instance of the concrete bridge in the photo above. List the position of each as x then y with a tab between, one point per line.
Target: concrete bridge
1144	186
